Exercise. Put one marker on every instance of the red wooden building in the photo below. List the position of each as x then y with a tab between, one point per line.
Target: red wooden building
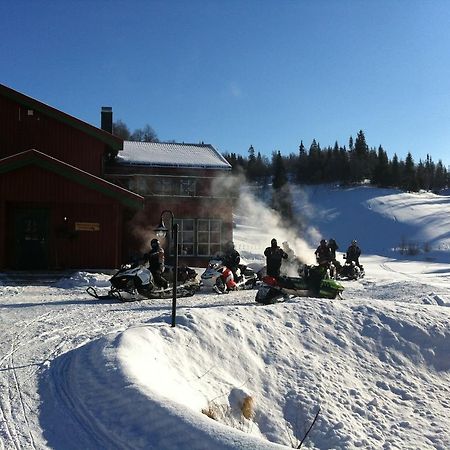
56	209
190	181
68	201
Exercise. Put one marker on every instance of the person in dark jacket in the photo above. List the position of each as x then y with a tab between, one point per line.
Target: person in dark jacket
323	253
332	244
353	253
155	258
231	258
274	255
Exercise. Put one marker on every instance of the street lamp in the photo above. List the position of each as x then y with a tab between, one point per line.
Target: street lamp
161	231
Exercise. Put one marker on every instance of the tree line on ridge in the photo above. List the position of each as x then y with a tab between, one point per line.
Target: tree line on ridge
355	164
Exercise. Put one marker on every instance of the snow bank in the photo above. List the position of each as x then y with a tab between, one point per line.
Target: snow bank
362	365
84	279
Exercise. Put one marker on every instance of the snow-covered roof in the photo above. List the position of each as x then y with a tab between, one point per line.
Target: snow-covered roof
159	154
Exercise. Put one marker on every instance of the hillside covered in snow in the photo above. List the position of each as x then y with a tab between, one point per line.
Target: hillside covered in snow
373	367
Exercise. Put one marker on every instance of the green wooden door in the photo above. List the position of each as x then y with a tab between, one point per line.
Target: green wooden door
31	230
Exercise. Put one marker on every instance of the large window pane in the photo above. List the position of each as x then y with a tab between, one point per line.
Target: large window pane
215	237
185	236
164	186
215	225
187	187
203	225
208	236
186	249
203	238
203	250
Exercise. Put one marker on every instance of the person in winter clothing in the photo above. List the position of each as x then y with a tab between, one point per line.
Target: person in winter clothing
231	258
332	244
274	255
323	253
155	258
353	253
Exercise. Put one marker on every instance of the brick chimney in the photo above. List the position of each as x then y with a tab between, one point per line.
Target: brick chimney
107	119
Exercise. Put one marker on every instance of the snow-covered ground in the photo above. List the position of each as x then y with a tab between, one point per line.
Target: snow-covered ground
78	373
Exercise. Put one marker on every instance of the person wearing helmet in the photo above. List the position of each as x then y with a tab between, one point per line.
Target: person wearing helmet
274	255
353	253
323	253
155	258
231	258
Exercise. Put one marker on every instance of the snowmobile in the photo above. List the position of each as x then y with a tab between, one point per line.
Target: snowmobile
314	283
185	274
135	282
350	271
221	279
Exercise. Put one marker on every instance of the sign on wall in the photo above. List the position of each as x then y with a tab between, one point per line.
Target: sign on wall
87	226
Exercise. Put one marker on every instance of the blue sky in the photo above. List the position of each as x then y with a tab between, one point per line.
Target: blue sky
235	73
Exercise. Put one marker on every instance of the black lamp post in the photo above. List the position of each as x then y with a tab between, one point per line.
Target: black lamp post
161	231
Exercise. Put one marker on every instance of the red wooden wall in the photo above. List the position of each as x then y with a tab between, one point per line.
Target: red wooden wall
20	132
32	186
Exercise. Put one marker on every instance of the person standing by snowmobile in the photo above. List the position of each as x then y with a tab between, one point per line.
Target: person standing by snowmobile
274	255
324	259
353	253
231	258
332	244
323	254
155	259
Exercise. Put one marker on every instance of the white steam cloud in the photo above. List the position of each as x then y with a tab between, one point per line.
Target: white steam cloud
257	224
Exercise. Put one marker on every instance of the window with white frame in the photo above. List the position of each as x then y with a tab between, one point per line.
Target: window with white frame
187	187
208	236
142	185
164	186
185	236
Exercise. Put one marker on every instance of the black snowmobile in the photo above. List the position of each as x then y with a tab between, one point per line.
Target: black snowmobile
312	284
135	282
350	271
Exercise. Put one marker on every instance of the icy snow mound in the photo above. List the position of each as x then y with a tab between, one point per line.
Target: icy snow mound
84	279
146	387
125	393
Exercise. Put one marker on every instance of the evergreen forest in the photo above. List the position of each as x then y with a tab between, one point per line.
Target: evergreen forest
356	164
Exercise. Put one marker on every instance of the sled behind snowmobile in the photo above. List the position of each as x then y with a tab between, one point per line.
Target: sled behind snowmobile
273	290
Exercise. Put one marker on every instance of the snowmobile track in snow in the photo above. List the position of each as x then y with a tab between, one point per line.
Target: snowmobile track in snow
64	395
13	391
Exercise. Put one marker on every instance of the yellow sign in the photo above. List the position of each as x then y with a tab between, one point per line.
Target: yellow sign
87	226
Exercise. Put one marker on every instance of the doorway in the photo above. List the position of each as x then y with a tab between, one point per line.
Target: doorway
30	230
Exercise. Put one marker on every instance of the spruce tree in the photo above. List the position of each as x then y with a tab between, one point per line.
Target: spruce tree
381	171
409	182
